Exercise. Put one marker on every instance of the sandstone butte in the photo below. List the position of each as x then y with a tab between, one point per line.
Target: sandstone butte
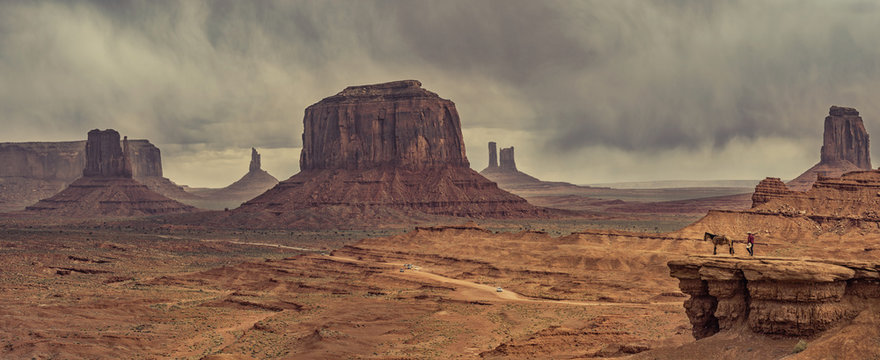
845	148
30	171
392	147
106	187
774	295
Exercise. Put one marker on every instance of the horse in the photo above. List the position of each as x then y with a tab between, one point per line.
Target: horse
718	240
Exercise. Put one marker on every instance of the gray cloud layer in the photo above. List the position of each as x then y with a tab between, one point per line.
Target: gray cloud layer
622	90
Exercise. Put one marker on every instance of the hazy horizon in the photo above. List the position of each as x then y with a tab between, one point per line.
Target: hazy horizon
586	91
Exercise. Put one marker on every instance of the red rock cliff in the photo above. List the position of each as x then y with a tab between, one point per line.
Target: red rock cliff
396	124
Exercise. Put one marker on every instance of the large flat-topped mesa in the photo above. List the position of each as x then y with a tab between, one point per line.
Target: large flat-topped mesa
382	151
396	124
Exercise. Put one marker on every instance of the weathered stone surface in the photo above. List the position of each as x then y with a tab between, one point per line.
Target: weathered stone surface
386	146
845	148
106	187
772	296
396	124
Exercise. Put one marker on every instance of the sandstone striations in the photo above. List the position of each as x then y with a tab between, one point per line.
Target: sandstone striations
773	296
107	187
845	148
384	148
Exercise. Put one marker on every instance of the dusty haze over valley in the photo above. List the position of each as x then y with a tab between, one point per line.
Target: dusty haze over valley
588	91
390	179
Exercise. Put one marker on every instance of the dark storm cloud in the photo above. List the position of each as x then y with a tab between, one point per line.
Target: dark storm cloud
575	79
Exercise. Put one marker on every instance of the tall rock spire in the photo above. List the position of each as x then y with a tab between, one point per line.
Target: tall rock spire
255	161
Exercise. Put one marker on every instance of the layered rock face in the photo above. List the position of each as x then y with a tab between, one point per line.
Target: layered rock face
386	146
768	189
106	187
396	124
773	296
845	148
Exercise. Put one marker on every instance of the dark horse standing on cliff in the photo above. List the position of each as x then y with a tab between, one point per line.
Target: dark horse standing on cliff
718	240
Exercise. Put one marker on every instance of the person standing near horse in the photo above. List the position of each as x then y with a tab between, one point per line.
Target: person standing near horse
750	245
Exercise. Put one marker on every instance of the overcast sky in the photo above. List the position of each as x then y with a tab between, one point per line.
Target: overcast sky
587	91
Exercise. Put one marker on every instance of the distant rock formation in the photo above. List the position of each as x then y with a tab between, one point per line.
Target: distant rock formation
104	156
773	296
509	178
255	182
383	148
507	161
493	155
255	164
106	187
31	171
845	148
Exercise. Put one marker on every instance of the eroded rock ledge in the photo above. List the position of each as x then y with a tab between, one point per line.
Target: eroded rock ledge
773	295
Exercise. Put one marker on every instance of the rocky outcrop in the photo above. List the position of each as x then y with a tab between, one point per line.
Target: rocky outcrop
845	148
773	295
507	161
107	187
768	189
386	146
